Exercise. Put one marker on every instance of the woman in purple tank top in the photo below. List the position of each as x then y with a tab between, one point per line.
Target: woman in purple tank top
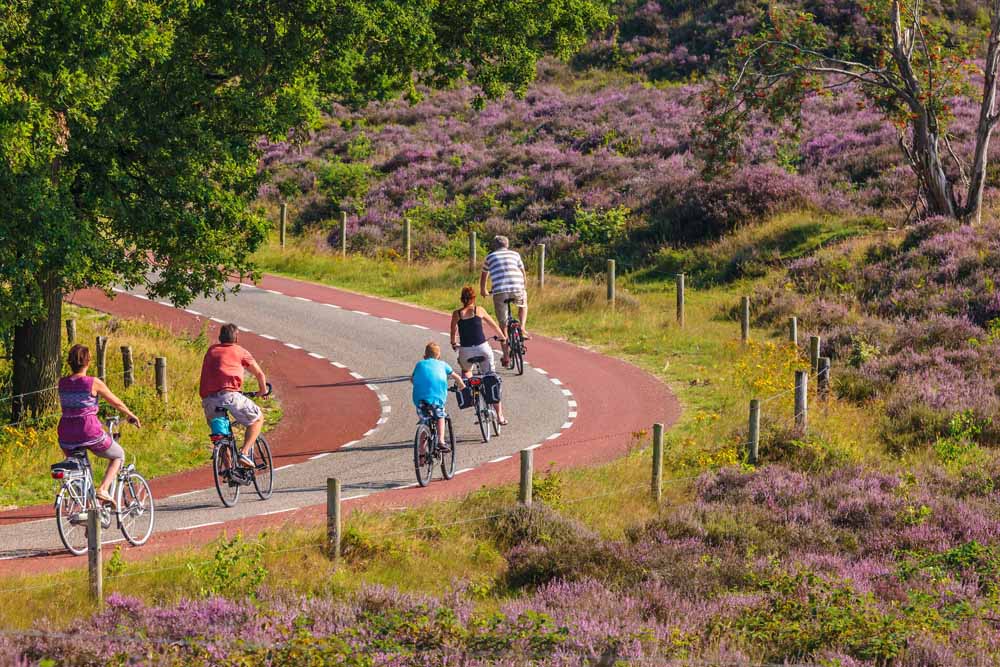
79	427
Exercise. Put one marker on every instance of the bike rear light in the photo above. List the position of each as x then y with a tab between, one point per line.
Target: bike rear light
57	474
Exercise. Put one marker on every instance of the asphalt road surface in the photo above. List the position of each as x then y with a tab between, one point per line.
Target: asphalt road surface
380	353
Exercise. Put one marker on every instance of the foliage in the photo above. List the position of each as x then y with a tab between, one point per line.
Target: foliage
236	571
130	154
910	65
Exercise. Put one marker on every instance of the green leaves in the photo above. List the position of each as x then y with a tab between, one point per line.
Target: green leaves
133	144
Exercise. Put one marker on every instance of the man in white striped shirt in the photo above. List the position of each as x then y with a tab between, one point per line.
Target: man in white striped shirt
508	280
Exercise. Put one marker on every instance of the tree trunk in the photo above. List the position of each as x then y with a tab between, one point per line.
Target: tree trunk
987	121
937	188
37	352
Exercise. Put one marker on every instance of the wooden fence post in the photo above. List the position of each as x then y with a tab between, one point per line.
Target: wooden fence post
160	370
407	244
102	357
814	353
524	495
680	300
823	378
472	251
657	463
95	570
541	265
745	319
754	451
611	282
128	372
343	233
801	399
333	517
793	331
284	224
70	331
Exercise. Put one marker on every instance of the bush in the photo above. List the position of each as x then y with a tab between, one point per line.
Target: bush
343	182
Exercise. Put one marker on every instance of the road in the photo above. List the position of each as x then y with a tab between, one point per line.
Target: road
340	363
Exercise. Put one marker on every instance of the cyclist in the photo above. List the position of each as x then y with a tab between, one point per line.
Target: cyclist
221	382
468	338
508	280
430	386
79	427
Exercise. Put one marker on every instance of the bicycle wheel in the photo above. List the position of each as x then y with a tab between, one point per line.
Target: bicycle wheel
228	488
448	458
494	420
263	474
517	352
71	522
423	454
137	513
482	416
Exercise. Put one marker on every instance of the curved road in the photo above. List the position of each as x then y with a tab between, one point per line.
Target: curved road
340	363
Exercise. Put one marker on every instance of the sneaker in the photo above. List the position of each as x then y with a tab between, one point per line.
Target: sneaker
442	447
245	460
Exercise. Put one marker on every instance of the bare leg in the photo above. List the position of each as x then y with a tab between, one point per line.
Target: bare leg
522	314
250	437
500	412
109	475
441	432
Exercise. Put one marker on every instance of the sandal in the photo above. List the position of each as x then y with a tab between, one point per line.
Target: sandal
104	498
504	422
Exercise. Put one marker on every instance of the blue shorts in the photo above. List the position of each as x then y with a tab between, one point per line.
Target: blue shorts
431	410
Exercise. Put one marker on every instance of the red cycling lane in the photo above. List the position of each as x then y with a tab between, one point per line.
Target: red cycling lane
613	400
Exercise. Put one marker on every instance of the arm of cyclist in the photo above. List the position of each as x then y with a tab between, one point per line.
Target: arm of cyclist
258	373
483	313
454	330
482	283
115	402
459	380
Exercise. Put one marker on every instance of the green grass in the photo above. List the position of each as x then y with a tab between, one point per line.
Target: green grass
754	250
173	436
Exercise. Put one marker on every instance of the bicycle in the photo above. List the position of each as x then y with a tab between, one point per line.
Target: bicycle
133	508
486	413
228	474
515	339
426	449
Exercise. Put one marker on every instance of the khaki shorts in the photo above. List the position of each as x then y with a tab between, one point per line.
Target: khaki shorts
243	410
521	299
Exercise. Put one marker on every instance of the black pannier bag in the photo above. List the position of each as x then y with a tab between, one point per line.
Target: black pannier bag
464	397
492	388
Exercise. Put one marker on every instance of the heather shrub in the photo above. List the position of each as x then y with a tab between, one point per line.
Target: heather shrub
696	210
533	525
542	546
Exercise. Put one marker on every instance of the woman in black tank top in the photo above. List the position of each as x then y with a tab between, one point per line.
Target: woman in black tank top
469	338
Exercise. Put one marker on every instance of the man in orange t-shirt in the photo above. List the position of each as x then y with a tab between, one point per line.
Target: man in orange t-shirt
221	382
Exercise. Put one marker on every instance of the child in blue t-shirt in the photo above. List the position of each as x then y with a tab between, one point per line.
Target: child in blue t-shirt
430	385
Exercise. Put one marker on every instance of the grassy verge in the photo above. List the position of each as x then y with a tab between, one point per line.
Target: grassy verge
173	435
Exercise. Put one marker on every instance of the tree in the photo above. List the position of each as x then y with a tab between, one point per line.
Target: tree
129	129
907	63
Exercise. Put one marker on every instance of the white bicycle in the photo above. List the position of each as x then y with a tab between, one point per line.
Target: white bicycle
133	509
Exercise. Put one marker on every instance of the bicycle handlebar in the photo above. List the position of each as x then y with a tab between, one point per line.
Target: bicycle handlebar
256	394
